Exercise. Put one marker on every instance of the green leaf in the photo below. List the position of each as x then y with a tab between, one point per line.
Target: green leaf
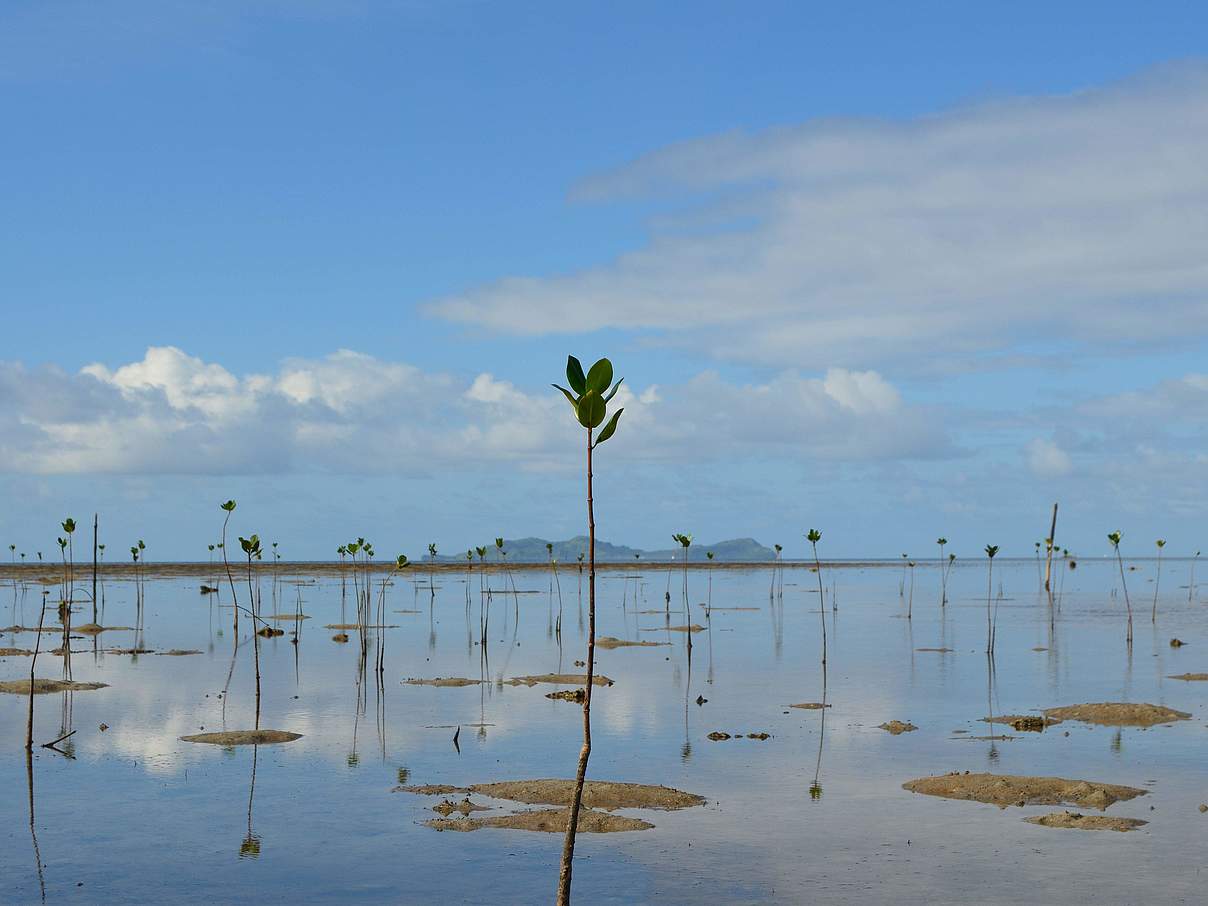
574	375
613	391
591	409
610	429
600	376
570	397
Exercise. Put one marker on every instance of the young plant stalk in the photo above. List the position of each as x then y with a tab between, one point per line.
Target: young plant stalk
1114	538
589	396
991	550
813	537
1157	578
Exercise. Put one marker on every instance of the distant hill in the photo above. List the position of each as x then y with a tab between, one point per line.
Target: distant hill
532	550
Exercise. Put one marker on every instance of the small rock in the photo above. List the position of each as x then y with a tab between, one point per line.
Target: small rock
1177	643
1203	808
104	727
718	735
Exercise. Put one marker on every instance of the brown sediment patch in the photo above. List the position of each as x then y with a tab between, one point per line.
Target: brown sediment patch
1192	677
1177	643
284	617
1118	714
177	652
407	611
358	626
560	679
550	821
1076	821
725	609
760	735
1032	723
597	794
609	642
130	651
578	696
442	681
937	650
340	637
243	737
16	629
1006	789
94	628
897	727
695	627
811	706
14	652
718	736
446	808
45	686
268	632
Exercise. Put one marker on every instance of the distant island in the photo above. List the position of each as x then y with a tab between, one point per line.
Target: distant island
533	550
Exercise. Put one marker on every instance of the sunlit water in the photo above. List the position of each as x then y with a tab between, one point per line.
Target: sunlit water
140	816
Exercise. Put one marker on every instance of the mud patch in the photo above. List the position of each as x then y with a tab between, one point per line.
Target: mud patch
550	821
609	643
446	808
358	626
558	679
14	652
1192	677
1031	723
897	727
810	706
1005	789
178	652
1118	714
443	681
597	794
286	617
578	696
46	686
243	737
93	629
695	627
133	651
937	650
1076	821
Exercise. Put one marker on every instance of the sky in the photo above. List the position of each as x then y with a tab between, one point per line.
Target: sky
894	271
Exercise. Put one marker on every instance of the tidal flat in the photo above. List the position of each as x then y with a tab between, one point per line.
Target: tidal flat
337	802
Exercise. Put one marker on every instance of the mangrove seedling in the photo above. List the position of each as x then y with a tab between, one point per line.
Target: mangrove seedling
991	550
1190	578
813	536
943	574
1114	538
589	395
228	508
1157	578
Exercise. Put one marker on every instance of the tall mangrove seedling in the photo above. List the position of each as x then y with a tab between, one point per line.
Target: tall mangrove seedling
991	550
1157	578
813	537
589	395
1114	538
943	573
228	508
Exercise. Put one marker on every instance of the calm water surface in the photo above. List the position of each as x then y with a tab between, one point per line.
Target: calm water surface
140	816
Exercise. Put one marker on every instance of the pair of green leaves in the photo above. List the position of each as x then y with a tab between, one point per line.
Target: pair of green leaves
1114	538
684	541
589	396
814	536
251	546
991	550
69	525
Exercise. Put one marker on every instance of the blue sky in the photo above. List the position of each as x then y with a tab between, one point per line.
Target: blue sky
894	270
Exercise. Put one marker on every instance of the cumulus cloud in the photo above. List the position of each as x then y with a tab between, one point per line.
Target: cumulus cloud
982	231
1048	460
175	413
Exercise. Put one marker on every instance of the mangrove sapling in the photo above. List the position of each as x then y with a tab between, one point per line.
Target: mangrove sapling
228	508
991	550
709	599
685	541
1157	578
1050	543
902	579
1114	538
943	575
589	396
910	598
251	548
1039	569
33	661
1190	578
432	560
813	536
778	571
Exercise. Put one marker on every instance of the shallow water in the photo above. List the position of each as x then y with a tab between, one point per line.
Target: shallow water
140	816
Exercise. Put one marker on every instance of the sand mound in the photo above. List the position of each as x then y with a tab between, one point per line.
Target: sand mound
1004	789
286	616
559	679
1032	723
693	628
609	642
93	628
442	681
601	794
243	737
810	706
550	821
1192	677
897	727
1076	821
14	652
45	686
1118	714
177	652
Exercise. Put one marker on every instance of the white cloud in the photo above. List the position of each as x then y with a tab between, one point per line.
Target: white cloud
1077	219
174	413
1048	460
